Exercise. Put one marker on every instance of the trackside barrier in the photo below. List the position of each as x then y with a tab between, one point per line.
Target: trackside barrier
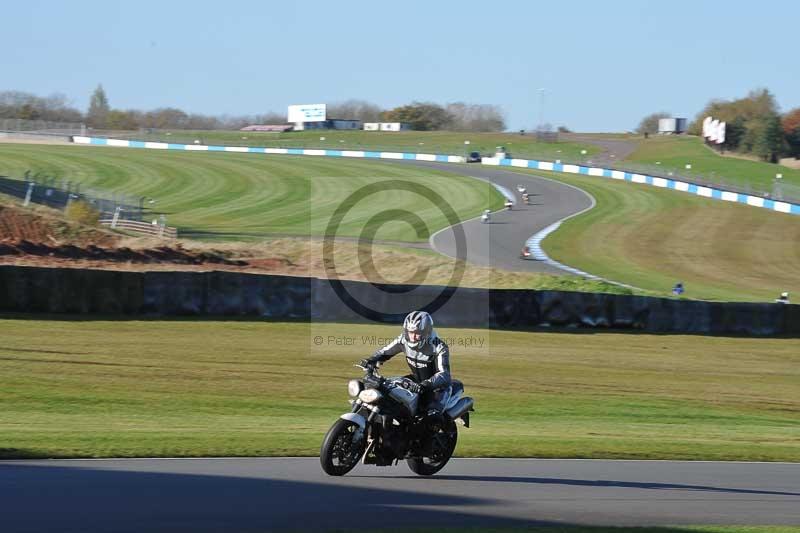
156	230
108	292
365	154
655	181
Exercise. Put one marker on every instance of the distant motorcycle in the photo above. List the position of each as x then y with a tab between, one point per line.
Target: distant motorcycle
486	216
384	427
509	204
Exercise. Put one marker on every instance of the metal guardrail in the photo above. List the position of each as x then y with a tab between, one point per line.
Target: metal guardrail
156	230
42	126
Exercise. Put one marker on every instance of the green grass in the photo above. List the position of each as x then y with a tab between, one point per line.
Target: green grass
652	238
438	142
248	196
206	388
675	152
395	263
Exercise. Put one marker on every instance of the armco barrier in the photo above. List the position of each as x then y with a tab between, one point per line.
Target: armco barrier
655	181
102	292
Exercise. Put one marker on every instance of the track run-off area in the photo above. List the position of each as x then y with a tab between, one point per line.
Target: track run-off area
264	494
638	235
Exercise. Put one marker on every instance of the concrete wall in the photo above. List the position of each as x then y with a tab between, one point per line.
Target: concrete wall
47	290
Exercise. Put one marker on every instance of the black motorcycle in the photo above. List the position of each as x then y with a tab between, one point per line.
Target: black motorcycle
384	426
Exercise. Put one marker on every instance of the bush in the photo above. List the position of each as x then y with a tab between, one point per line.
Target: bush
83	213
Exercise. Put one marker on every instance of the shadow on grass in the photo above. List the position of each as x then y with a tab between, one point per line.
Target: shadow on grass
20	453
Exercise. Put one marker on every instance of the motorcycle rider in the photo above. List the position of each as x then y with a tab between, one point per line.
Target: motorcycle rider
427	356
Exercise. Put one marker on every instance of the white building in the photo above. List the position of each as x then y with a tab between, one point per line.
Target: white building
372	126
394	126
669	126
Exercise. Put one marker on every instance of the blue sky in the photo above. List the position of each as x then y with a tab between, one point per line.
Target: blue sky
603	65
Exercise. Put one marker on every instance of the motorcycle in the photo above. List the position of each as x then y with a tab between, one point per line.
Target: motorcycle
486	216
385	426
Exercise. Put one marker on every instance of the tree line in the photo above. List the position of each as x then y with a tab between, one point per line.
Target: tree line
457	116
753	125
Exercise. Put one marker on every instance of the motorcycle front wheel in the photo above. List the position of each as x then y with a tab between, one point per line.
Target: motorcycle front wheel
443	444
339	454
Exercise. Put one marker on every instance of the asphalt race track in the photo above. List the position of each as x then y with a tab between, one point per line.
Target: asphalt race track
498	243
264	494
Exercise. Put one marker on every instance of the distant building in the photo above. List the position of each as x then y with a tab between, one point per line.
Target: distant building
372	126
670	126
331	124
394	126
268	127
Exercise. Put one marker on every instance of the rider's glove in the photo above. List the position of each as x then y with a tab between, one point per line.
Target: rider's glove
412	386
367	363
426	386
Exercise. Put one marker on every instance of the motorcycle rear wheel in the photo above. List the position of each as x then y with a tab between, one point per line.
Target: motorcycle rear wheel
444	444
339	454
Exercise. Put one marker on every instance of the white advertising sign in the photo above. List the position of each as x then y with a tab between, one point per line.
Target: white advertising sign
706	126
712	130
307	113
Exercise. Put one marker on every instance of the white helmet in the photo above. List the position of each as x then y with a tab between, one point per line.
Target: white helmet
420	322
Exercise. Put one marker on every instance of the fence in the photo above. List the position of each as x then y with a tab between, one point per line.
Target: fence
157	229
42	127
58	193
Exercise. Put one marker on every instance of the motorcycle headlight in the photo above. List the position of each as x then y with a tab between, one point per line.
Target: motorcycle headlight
354	386
369	395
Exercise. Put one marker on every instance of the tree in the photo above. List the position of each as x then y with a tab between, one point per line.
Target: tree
421	116
750	124
475	117
791	131
352	109
122	120
165	118
97	115
54	108
735	132
649	124
768	138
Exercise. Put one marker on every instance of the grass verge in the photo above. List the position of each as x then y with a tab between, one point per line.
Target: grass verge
94	388
652	238
674	153
224	196
438	142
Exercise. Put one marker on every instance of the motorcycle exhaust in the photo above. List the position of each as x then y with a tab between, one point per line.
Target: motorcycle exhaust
462	406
